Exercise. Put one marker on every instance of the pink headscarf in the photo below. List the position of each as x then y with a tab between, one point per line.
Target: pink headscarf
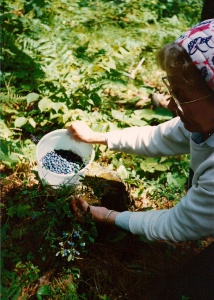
199	44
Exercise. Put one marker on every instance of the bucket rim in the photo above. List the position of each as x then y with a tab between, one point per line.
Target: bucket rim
64	130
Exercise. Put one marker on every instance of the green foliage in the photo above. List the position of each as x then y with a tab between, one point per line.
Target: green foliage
63	60
23	275
157	177
62	56
8	152
65	289
168	8
44	217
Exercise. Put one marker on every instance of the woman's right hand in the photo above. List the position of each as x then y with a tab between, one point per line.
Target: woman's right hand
98	213
82	132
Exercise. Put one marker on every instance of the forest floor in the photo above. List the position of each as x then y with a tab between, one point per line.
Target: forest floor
118	265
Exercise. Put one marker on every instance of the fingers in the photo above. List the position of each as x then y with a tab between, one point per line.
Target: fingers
75	126
80	130
79	203
74	204
80	206
72	129
83	204
83	210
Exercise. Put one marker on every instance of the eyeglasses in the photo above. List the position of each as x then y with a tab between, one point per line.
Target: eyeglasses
166	83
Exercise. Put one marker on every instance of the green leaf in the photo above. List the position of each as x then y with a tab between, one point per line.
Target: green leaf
118	115
59	105
4	130
32	97
131	121
44	122
123	172
54	116
136	122
150	165
32	122
174	179
9	159
91	239
153	164
14	293
44	290
71	287
108	64
23	210
149	114
18	292
163	113
45	104
70	257
19	122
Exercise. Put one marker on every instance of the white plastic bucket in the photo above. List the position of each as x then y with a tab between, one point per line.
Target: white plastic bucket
62	139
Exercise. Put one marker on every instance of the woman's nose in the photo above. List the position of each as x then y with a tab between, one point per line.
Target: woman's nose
172	105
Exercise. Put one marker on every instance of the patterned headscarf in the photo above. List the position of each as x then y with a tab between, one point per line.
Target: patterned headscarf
199	44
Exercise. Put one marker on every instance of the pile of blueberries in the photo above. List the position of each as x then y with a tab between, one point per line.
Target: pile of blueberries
62	162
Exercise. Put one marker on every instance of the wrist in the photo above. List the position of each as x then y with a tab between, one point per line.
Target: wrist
98	138
108	215
103	214
111	216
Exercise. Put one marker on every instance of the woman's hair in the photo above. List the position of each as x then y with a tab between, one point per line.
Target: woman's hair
207	10
174	60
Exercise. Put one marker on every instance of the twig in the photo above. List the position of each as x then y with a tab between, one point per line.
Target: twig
134	72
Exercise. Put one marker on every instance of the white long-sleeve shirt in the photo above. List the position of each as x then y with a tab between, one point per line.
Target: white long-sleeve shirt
193	217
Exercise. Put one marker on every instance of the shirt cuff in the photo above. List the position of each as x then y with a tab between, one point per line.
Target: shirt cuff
122	220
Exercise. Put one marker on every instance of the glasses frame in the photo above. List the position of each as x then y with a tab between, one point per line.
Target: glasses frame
175	98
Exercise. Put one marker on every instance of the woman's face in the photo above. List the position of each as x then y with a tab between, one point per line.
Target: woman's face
197	116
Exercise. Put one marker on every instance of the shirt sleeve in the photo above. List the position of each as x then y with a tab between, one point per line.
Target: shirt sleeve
122	220
169	138
192	218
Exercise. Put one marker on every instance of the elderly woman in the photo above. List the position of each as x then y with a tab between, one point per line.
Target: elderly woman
189	66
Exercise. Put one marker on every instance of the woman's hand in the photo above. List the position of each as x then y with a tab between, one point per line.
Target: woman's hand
82	132
99	214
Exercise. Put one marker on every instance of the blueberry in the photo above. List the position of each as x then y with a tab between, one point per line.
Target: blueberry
54	162
64	234
70	243
76	234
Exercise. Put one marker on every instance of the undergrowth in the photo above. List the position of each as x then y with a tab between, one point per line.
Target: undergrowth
92	61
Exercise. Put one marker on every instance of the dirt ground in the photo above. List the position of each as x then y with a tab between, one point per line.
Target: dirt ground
128	267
